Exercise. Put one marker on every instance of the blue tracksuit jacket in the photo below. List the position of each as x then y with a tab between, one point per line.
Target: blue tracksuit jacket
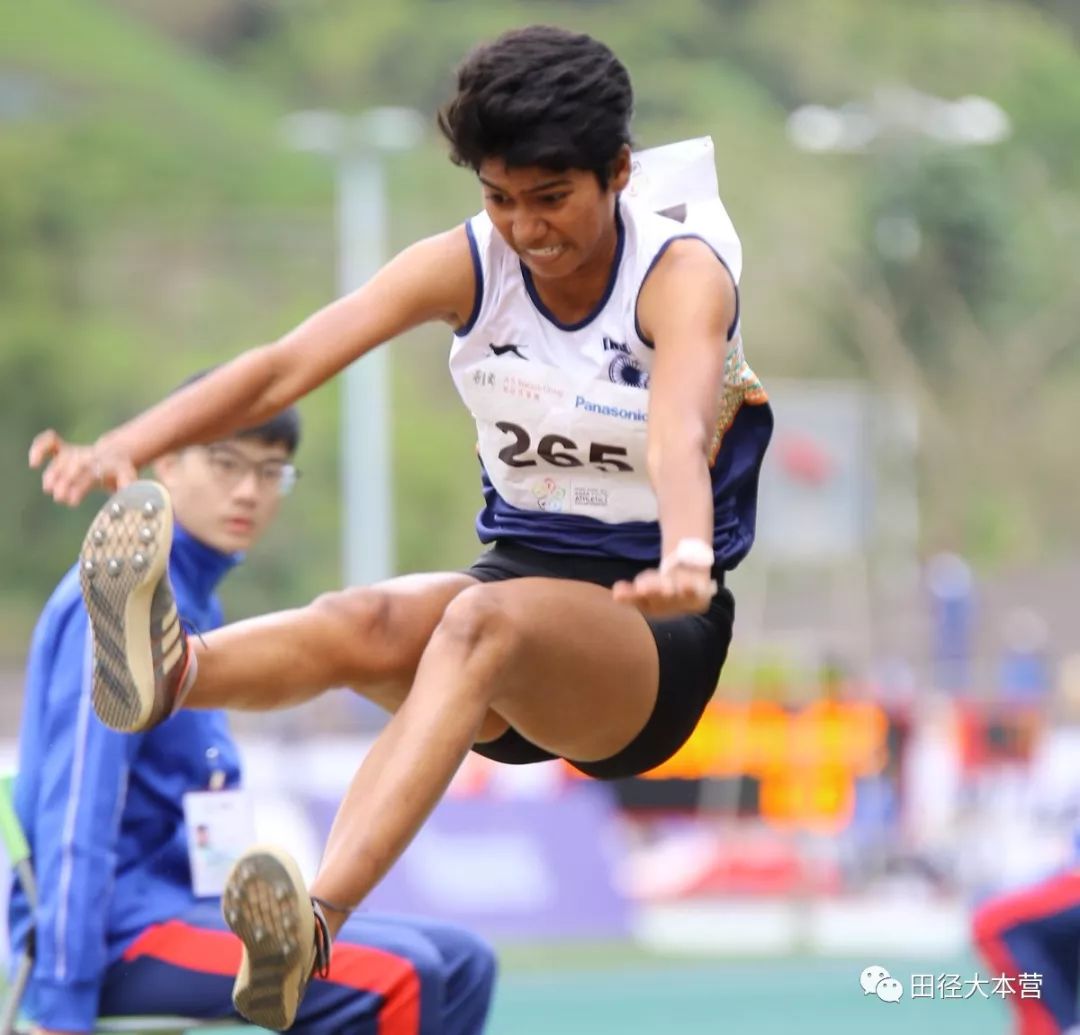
100	827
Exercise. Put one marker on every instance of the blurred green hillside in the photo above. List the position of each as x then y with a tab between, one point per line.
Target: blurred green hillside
152	221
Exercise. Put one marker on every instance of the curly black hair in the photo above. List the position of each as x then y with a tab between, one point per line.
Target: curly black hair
540	96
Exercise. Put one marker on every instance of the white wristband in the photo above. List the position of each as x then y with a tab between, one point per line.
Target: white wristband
689	553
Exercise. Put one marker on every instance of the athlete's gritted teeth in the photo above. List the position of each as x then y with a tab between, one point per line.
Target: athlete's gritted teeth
544	254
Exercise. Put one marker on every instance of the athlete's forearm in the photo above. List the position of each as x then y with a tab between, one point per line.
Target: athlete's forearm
679	473
240	394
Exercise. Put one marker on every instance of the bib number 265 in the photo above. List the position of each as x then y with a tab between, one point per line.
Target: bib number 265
558	451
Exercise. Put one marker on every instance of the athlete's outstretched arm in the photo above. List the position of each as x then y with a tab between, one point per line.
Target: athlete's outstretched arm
431	280
687	308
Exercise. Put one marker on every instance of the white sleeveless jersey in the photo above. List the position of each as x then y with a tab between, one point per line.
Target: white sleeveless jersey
561	409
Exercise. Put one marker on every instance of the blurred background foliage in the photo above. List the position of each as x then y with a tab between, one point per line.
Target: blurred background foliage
152	222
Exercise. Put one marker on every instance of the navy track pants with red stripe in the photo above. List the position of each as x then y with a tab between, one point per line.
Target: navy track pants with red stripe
390	975
1036	930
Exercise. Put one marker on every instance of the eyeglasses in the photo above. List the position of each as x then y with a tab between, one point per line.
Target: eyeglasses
230	467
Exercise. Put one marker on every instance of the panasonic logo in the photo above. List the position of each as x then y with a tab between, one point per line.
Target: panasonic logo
581	403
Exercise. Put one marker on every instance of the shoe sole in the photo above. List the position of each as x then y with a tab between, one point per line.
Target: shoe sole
266	905
124	556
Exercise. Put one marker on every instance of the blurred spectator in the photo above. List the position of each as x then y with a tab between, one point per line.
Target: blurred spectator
1024	673
121	926
1036	930
950	584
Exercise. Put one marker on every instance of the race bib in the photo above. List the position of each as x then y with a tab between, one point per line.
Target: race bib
554	444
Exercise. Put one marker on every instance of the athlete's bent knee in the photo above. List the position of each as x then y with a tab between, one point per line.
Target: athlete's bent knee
477	630
360	629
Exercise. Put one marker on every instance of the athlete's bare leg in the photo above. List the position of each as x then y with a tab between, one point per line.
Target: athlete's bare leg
570	669
368	638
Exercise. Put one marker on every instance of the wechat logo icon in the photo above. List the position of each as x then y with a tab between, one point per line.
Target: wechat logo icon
876	981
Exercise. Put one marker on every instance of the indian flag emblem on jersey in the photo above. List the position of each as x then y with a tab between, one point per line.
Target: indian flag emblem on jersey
628	372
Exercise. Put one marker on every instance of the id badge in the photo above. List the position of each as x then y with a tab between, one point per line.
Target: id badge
220	827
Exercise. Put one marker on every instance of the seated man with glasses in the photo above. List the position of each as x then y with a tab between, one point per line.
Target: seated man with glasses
119	927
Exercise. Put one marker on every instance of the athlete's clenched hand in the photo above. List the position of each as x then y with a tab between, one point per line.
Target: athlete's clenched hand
679	590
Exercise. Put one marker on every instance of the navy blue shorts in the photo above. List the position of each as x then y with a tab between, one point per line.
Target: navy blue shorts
691	650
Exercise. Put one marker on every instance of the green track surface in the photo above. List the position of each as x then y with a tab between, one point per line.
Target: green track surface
616	990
